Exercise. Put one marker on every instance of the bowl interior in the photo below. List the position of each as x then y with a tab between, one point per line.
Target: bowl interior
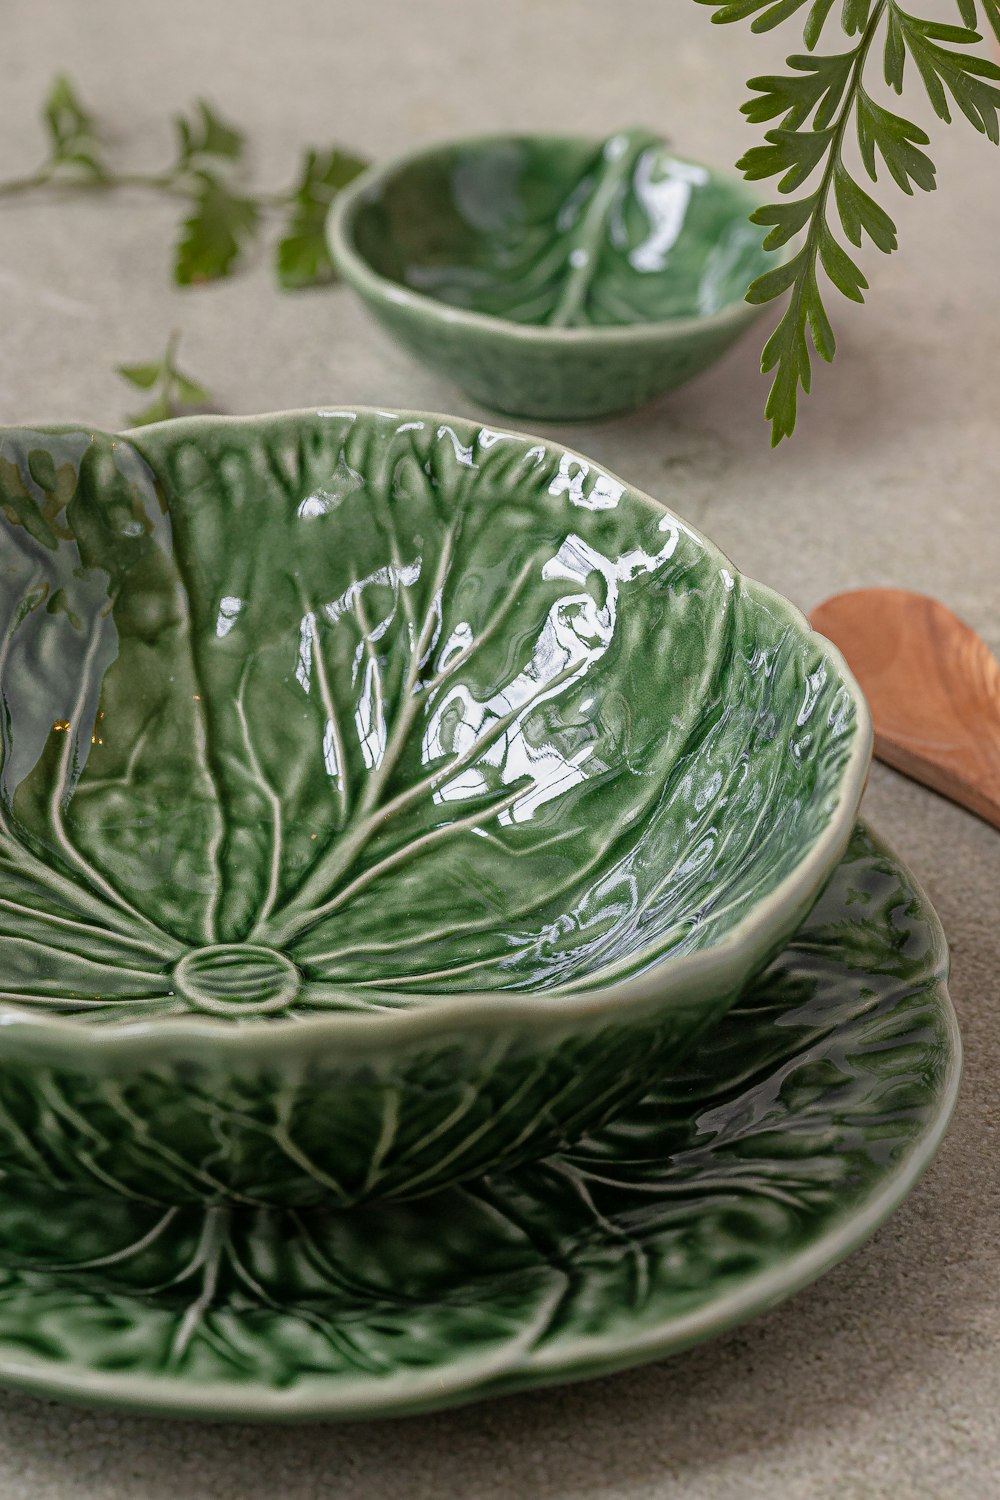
338	710
562	232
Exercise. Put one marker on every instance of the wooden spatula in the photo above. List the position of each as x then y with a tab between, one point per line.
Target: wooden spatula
933	686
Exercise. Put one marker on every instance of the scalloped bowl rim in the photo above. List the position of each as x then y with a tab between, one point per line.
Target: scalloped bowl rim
362	276
745	945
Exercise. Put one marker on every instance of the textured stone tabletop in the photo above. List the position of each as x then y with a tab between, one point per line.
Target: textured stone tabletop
883	1378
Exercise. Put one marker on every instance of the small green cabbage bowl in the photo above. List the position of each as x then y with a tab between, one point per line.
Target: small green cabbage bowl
553	277
383	798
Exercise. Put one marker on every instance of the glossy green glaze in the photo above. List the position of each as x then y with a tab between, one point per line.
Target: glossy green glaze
794	1131
553	277
381	797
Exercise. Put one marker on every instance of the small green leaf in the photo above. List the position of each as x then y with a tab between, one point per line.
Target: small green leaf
773	283
72	130
728	11
797	97
302	257
787	353
159	410
815	22
820	329
839	266
859	212
776	14
969	79
834	74
793	153
779	96
207	134
788	219
143	376
176	393
64	114
856	16
188	392
894	60
939	31
897	141
215	233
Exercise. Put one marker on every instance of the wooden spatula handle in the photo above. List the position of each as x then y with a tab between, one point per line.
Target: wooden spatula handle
933	687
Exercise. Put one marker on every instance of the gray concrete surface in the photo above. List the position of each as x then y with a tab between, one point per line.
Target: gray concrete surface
883	1379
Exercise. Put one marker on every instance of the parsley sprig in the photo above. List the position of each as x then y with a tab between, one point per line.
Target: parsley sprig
224	215
815	105
175	394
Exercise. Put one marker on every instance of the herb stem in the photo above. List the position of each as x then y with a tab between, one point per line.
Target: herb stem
819	219
38	179
850	94
161	182
176	184
273	200
48	177
207	178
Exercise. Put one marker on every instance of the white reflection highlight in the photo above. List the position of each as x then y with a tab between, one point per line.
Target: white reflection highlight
814	685
229	612
369	716
604	492
343	481
303	667
488	438
575	636
665	200
463	452
330	751
405	575
459	640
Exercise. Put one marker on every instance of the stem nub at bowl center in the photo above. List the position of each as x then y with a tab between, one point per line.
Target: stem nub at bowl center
237	979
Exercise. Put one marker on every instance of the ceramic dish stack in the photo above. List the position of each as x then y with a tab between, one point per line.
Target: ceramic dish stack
413	985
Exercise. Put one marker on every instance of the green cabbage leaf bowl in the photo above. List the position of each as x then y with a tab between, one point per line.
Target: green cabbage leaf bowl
383	798
553	277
